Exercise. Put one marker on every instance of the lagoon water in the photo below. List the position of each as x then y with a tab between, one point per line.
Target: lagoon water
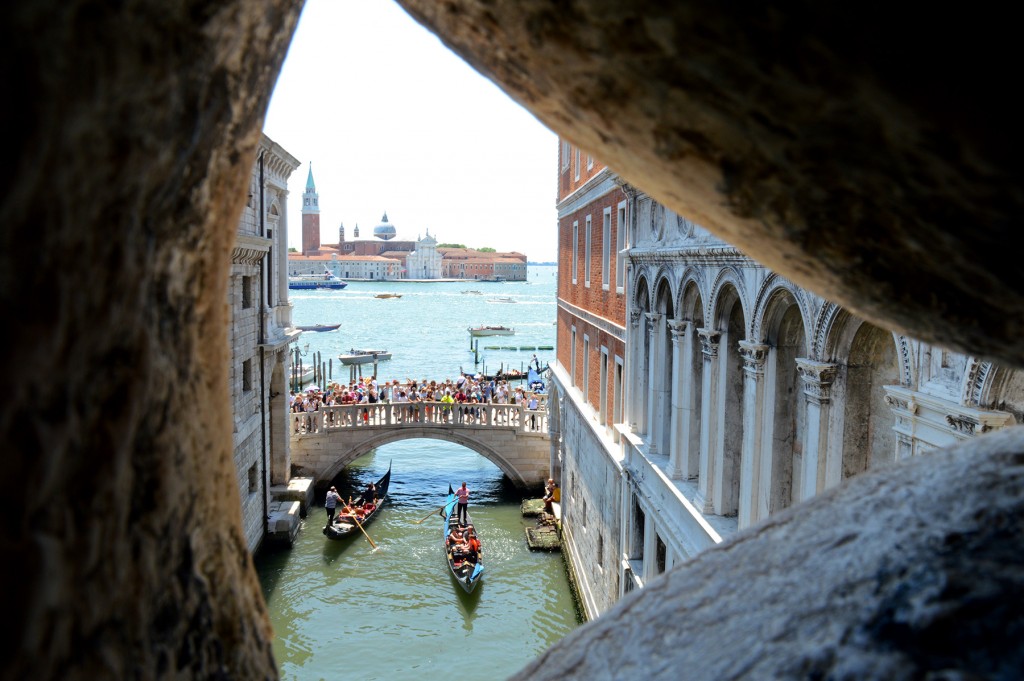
343	608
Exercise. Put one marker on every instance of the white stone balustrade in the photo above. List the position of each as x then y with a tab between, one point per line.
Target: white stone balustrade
398	414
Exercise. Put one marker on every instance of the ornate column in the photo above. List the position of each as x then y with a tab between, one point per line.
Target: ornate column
755	464
815	474
634	350
710	441
681	401
655	382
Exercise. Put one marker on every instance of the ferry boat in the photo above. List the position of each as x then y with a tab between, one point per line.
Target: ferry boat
325	280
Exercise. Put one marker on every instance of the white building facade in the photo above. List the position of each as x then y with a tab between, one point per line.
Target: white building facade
425	261
743	395
260	333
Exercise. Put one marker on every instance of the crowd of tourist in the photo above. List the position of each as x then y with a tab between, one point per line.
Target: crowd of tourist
461	400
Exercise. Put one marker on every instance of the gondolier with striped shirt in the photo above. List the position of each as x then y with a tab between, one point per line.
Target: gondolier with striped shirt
462	512
331	504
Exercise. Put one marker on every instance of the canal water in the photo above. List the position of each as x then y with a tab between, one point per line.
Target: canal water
344	608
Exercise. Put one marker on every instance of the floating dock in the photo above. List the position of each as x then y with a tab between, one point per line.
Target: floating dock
545	536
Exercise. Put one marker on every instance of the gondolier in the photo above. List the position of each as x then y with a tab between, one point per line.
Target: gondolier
331	504
462	510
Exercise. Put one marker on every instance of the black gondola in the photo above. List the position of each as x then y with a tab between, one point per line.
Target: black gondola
345	523
467	570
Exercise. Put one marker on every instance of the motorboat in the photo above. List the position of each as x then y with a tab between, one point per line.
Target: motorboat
491	331
503	299
324	280
388	295
318	327
364	356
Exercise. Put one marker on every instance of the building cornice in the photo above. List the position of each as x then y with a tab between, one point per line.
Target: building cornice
249	249
608	326
692	255
596	187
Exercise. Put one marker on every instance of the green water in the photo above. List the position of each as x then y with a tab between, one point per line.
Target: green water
342	609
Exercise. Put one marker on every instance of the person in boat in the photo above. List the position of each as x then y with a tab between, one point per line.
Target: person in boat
472	546
455	536
331	504
462	508
369	496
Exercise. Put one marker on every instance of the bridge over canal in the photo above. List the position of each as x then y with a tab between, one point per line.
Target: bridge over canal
513	438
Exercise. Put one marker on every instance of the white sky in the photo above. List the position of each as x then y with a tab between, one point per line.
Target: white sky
393	121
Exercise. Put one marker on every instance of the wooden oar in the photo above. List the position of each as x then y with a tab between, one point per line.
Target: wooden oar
424	518
359	525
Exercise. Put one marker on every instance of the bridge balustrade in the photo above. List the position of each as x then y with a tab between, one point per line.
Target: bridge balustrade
408	414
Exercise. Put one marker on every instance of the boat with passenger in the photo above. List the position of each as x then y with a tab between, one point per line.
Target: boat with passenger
388	295
491	331
352	517
464	562
364	356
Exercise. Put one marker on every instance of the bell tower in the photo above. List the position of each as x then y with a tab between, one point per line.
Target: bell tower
310	217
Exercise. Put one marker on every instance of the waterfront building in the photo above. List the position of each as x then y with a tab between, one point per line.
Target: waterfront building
425	261
699	393
469	263
419	259
260	333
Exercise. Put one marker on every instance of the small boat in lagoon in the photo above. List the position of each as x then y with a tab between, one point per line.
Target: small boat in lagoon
491	331
388	295
364	356
318	327
344	525
503	299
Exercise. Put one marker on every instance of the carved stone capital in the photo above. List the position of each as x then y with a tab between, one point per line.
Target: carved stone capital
817	377
634	319
898	403
965	424
678	329
709	340
754	356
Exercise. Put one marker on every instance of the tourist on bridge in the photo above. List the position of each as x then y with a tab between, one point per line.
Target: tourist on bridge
462	509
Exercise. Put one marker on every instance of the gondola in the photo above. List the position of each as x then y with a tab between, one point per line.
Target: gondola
344	525
466	572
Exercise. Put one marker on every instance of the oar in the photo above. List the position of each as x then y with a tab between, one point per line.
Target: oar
359	525
424	518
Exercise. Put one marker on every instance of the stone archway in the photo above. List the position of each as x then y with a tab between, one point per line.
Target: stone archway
868	436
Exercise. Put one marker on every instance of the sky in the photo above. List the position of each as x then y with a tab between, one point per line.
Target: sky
393	121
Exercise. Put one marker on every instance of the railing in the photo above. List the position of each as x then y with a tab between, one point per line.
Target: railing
411	414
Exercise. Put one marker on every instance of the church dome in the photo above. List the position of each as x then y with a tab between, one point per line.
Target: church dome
385	230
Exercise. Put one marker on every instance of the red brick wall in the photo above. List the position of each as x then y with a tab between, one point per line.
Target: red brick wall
607	304
310	233
567	182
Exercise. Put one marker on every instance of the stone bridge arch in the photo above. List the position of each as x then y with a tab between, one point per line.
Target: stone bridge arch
385	437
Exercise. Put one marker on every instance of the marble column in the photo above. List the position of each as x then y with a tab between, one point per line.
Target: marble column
655	382
755	463
632	399
710	443
681	401
817	378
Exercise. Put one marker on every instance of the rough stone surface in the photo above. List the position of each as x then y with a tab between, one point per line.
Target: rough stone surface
133	130
856	149
853	149
898	574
